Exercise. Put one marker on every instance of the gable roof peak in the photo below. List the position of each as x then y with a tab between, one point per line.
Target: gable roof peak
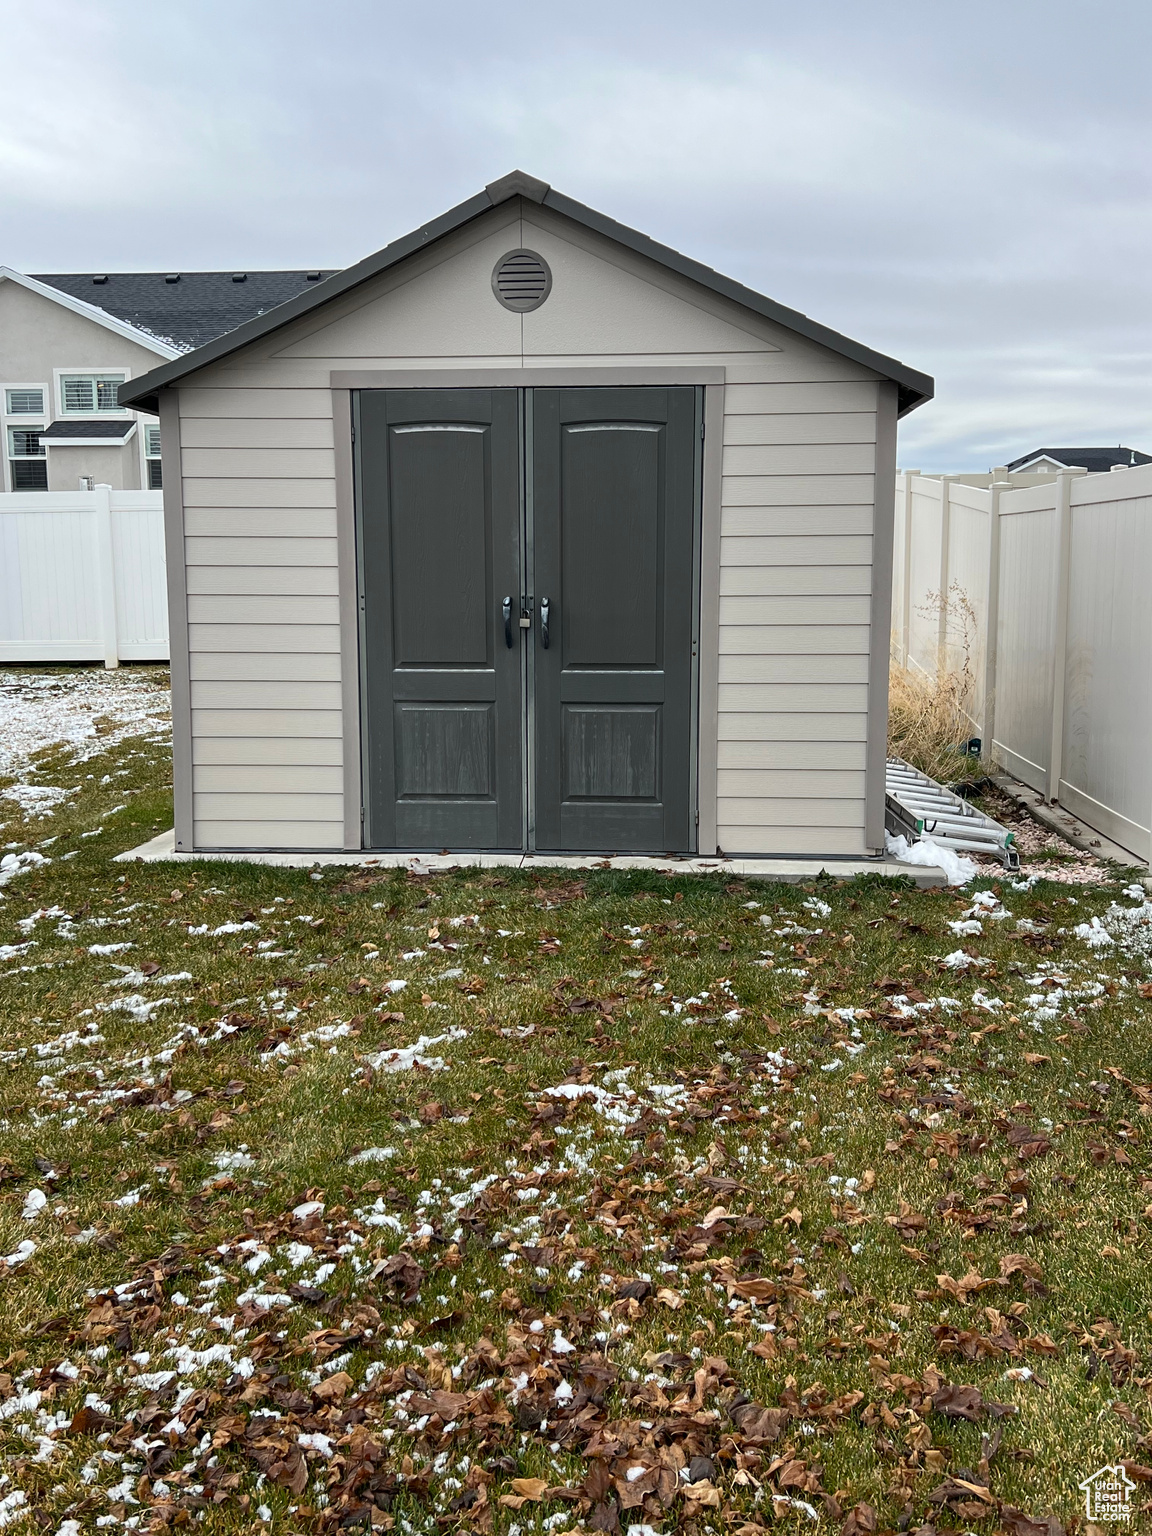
517	184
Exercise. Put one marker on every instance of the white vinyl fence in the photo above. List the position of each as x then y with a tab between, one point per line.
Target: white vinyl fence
82	576
1055	573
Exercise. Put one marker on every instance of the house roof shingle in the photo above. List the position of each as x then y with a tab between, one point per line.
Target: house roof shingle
67	431
196	308
1096	461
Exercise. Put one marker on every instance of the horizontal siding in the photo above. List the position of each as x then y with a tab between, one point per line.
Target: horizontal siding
263	637
259	493
807	755
285	402
268	778
259	522
800	784
792	522
826	427
273	550
793	698
800	459
319	835
795	580
794	639
265	695
784	399
793	669
295	666
835	811
738	549
818	840
267	432
262	610
271	724
238	806
809	728
796	490
780	609
322	751
258	463
263	580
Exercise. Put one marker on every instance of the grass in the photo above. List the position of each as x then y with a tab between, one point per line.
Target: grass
804	1182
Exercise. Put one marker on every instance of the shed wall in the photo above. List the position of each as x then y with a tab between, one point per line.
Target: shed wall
797	508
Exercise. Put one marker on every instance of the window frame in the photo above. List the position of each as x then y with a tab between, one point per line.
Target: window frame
59	375
146	429
26	421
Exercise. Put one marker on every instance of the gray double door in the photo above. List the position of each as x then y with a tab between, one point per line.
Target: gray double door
527	617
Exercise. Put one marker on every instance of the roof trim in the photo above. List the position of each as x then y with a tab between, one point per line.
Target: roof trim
91	312
913	387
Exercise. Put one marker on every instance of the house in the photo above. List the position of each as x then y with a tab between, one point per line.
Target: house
1097	461
529	533
68	341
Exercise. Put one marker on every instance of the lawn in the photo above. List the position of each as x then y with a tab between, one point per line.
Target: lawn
525	1202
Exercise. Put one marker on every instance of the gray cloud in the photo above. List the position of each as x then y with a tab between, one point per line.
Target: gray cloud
966	187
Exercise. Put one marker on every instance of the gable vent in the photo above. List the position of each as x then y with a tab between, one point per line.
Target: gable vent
521	281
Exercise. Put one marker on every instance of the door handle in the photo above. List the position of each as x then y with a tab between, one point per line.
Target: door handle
545	609
506	610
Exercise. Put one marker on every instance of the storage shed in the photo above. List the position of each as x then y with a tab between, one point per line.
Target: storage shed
528	533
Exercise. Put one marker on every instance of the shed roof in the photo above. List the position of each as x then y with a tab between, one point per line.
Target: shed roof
1095	460
914	387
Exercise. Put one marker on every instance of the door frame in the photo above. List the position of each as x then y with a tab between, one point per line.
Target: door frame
703	745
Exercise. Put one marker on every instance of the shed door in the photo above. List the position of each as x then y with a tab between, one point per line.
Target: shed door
612	514
440	548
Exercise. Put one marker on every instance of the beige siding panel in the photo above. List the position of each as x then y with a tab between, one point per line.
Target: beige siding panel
820	549
827	427
794	367
808	728
785	840
797	490
262	463
797	459
800	784
802	399
268	778
265	492
788	698
265	695
263	637
279	403
793	580
792	754
264	580
263	610
269	834
259	522
293	432
229	806
270	551
300	724
793	669
755	811
322	751
801	609
277	666
794	639
795	522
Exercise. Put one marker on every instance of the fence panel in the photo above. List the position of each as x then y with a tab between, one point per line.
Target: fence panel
1022	739
82	576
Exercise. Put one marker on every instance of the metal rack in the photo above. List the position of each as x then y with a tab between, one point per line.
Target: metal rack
917	807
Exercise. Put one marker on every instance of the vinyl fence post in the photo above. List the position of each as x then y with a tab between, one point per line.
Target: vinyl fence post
992	619
945	554
1060	630
105	575
906	593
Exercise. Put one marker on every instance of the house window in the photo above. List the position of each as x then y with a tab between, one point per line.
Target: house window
27	461
152	458
88	394
24	402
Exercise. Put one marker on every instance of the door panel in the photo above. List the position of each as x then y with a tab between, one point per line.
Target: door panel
440	548
612	507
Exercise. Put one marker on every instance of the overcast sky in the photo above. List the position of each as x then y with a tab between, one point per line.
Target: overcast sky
961	184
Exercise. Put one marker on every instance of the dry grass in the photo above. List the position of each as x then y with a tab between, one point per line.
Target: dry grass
927	723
